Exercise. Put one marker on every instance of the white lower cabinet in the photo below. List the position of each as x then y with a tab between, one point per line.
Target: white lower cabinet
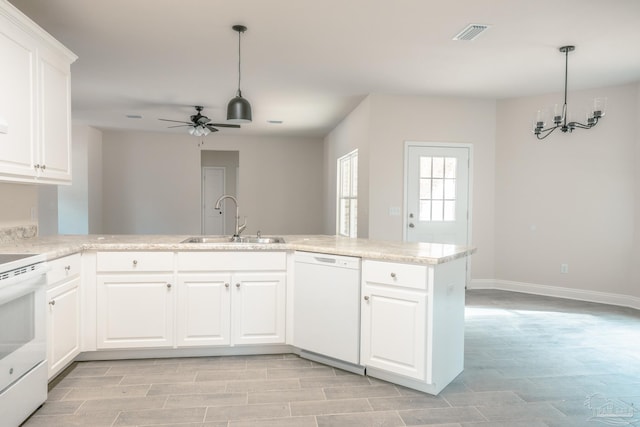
258	308
135	310
204	309
394	330
63	313
413	322
237	305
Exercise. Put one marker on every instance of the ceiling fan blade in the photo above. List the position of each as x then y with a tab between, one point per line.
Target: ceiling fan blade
178	126
176	121
224	125
211	128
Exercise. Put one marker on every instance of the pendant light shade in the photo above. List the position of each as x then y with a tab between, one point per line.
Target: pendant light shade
239	109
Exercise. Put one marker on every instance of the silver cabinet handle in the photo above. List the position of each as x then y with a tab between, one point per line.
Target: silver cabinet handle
168	285
135	262
43	167
238	285
67	268
226	285
52	302
366	298
393	275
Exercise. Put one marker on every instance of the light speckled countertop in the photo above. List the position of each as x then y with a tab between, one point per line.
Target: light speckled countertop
419	253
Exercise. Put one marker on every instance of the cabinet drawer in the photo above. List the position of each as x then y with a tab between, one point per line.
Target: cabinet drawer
232	261
134	261
63	268
395	274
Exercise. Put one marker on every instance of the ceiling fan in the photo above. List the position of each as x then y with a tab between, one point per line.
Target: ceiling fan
200	125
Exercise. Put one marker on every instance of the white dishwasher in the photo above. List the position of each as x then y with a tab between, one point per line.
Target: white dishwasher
327	306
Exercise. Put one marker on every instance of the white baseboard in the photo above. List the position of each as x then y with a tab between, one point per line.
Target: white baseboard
556	291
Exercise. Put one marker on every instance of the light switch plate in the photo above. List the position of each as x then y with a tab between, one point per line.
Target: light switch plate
394	211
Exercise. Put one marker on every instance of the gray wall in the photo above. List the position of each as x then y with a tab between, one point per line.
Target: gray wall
152	182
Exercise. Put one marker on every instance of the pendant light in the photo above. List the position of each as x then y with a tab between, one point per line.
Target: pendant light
239	109
560	112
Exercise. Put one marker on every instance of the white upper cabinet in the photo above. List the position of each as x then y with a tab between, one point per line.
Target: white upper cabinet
35	106
17	103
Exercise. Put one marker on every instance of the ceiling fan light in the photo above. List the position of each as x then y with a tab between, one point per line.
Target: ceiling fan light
239	110
205	131
192	131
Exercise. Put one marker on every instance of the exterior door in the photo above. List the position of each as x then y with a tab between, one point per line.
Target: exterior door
212	189
437	193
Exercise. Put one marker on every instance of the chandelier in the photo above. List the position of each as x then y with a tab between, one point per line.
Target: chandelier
560	111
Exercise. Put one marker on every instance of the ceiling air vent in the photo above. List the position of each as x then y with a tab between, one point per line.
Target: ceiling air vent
471	32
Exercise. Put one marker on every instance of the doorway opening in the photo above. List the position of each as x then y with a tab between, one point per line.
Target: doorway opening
220	175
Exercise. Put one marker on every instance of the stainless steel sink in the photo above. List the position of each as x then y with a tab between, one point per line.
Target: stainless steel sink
260	239
242	239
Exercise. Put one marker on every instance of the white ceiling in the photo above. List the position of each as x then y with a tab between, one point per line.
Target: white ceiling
309	63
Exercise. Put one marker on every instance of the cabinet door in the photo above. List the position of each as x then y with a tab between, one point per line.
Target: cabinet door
55	118
63	325
204	309
17	103
135	310
394	330
258	307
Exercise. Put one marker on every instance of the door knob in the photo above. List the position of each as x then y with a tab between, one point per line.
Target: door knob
411	225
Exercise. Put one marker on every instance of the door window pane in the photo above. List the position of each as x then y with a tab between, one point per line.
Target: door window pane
425	210
425	167
450	189
449	210
437	210
437	188
450	166
437	191
438	167
425	189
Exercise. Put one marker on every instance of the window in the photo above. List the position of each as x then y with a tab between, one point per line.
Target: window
437	188
347	215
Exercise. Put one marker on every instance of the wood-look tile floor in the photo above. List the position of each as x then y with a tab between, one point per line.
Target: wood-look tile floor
529	361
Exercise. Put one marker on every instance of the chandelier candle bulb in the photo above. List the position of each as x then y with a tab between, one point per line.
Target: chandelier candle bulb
540	119
599	105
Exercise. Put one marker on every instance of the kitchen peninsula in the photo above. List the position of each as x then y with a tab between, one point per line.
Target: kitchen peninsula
137	296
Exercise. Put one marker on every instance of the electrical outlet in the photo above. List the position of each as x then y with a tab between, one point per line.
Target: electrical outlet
564	268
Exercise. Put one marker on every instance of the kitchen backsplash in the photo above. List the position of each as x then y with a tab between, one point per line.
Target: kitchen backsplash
8	234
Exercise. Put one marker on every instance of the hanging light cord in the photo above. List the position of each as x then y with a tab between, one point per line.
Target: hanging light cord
239	63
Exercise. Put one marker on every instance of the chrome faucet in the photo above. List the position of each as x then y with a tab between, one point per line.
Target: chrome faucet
239	228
